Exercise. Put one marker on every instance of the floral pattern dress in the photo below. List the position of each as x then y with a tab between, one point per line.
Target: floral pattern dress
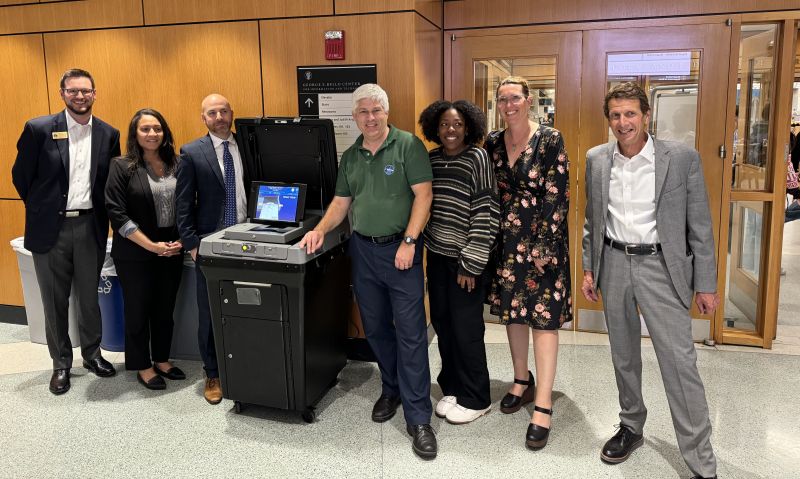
534	197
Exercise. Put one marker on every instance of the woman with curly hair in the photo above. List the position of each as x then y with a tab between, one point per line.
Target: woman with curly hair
140	199
459	237
531	287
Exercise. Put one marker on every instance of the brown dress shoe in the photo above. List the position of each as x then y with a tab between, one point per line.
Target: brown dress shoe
213	391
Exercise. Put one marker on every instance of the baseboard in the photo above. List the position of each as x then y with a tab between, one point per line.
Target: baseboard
13	314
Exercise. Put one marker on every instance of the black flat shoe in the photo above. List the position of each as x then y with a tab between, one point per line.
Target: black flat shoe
424	444
155	383
511	402
536	437
621	445
100	367
174	373
385	408
59	381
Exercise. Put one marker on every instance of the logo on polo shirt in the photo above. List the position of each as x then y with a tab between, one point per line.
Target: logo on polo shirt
388	170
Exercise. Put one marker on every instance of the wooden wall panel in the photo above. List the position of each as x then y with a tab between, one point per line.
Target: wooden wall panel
186	11
170	68
84	14
427	67
12	226
287	44
26	79
431	10
476	13
4	3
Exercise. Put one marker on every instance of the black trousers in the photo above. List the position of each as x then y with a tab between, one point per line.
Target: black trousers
457	317
149	289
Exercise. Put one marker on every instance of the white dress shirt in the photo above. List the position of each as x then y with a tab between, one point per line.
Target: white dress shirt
79	196
631	216
241	195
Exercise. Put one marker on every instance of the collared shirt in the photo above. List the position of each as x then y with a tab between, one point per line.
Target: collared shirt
631	214
79	196
241	195
380	184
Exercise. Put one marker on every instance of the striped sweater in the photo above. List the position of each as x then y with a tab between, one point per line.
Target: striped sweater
465	212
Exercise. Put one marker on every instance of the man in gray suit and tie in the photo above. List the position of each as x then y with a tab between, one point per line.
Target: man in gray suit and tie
648	247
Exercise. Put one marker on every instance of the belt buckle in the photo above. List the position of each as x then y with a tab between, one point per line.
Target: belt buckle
628	252
72	214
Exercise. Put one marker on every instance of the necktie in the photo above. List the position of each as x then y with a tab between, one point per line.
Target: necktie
229	217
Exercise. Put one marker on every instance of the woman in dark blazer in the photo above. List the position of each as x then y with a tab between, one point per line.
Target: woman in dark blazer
140	199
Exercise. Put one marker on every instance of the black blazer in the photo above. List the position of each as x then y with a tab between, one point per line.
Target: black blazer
200	195
129	197
41	177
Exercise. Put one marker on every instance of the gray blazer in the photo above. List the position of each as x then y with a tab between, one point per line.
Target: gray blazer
683	220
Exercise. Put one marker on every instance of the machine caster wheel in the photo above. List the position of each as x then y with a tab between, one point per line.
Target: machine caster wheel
238	407
309	416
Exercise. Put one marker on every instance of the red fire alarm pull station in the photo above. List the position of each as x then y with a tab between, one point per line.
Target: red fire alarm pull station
334	45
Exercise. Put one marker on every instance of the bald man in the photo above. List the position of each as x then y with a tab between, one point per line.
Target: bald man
210	196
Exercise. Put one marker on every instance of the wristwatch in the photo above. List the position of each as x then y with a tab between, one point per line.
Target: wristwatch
409	240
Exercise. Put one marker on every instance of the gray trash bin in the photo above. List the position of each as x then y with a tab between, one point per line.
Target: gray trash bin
184	334
33	298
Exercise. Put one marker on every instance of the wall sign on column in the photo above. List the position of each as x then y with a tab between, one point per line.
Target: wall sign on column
327	92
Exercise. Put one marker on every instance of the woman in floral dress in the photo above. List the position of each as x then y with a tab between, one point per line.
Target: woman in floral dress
531	289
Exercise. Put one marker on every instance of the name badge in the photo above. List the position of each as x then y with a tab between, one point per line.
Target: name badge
60	135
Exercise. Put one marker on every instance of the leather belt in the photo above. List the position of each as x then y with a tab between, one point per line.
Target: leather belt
634	249
74	213
381	239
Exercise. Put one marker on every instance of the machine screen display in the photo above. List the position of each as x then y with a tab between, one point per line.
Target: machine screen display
278	202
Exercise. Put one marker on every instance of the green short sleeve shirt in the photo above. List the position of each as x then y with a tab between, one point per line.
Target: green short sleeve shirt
380	184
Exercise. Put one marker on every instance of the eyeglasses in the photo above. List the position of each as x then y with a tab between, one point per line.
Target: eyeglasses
75	91
513	99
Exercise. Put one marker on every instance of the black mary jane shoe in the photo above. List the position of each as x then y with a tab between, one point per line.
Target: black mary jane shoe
173	373
536	437
155	383
511	403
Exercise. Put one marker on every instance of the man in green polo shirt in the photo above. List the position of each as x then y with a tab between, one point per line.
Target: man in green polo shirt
386	177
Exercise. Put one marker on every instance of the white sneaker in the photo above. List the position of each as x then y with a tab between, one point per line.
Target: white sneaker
444	405
458	414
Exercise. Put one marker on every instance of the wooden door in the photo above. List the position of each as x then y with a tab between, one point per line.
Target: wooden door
701	111
550	62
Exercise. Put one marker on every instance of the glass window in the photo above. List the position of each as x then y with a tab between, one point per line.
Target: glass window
540	72
743	283
672	82
754	91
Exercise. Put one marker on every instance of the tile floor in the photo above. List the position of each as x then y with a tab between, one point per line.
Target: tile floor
174	433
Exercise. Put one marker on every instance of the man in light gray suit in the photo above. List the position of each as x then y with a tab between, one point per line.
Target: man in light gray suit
648	247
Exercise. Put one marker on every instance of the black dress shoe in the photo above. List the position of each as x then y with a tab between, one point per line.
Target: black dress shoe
619	448
173	373
100	367
536	437
59	381
155	383
384	408
424	444
511	403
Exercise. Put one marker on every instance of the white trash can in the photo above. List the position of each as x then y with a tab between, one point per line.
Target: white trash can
33	298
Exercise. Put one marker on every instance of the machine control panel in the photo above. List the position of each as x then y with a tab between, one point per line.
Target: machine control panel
258	250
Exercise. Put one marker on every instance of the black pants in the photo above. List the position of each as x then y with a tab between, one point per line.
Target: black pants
149	289
457	317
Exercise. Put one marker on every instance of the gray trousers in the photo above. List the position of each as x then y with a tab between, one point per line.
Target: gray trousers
628	282
75	258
